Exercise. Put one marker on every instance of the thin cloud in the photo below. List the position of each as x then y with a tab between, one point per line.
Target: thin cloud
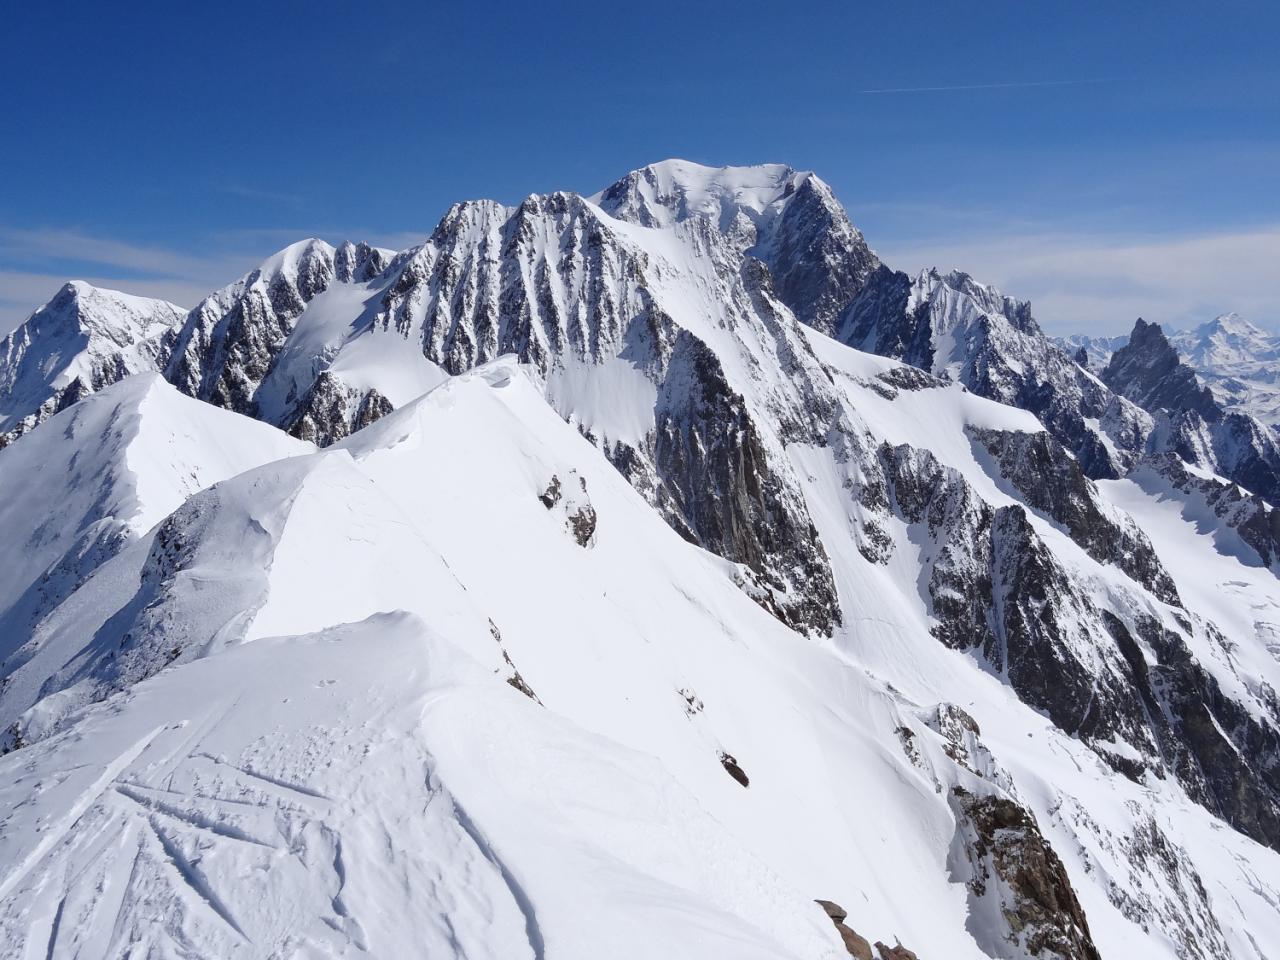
253	193
1089	283
44	245
34	264
1012	85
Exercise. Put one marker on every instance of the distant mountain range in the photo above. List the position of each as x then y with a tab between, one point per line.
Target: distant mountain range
1237	360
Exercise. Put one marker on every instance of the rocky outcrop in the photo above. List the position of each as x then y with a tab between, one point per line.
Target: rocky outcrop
1050	480
1191	422
995	588
1256	521
954	327
230	340
896	952
570	500
857	946
731	767
332	410
711	457
1226	757
787	219
1013	869
1148	371
82	340
358	262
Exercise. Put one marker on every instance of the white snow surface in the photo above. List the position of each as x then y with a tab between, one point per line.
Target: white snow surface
377	789
112	466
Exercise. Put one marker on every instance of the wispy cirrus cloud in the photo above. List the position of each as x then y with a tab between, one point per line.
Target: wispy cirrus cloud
1009	85
35	263
1090	283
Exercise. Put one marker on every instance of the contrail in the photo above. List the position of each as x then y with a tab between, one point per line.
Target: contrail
988	86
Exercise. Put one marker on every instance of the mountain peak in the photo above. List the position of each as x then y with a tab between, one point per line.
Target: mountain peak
1148	371
668	192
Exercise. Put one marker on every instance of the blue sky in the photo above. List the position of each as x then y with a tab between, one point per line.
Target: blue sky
1105	159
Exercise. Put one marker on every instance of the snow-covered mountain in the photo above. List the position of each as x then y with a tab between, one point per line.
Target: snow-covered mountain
647	567
82	340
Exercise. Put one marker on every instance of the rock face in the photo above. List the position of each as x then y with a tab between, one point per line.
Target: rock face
965	331
1048	479
788	220
1012	862
1147	371
1227	758
997	589
227	345
331	410
682	322
570	500
857	946
1192	422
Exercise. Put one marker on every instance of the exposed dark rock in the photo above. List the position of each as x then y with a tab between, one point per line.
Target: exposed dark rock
1013	869
730	764
583	524
1225	758
998	351
1050	480
572	501
1256	521
709	455
1185	913
515	680
1147	371
909	378
818	260
896	952
358	262
1191	422
229	342
551	496
331	411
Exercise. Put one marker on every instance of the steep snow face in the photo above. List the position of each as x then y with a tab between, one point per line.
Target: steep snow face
450	817
965	331
101	474
83	339
789	220
1006	551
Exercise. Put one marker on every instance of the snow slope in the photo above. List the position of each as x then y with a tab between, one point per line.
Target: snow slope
313	790
101	474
